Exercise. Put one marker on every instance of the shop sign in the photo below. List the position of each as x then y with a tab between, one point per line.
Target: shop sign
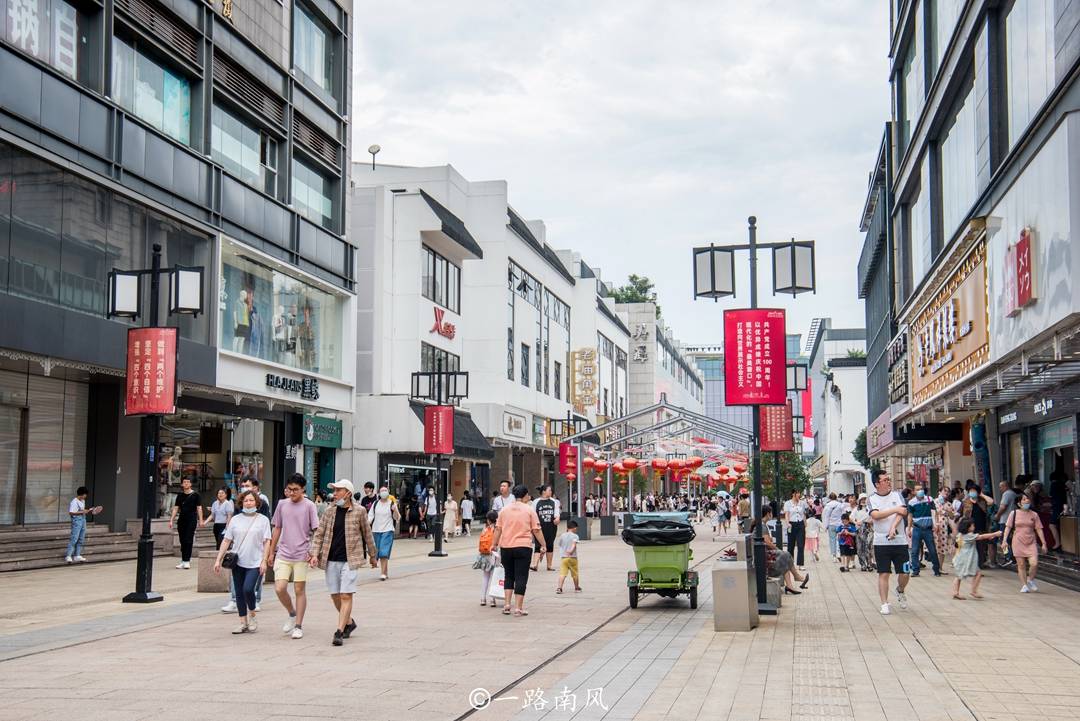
514	425
443	327
776	430
879	434
1043	407
754	362
306	388
819	467
950	336
1007	418
322	432
568	455
897	359
439	430
807	409
539	431
151	371
585	377
1020	274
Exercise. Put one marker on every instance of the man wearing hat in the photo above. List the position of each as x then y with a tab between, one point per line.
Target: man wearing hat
339	546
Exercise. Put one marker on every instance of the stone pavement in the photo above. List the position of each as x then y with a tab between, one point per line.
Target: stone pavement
68	649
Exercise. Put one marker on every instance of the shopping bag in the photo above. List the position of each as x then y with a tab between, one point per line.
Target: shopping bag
495	588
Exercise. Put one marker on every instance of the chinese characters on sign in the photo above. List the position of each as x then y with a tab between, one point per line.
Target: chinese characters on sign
754	363
439	429
585	376
776	428
1019	274
151	371
641	353
308	388
641	331
226	8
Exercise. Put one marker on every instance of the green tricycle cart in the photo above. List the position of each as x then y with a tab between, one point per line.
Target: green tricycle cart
662	554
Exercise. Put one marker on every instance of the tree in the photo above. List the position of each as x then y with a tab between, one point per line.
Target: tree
856	353
639	289
793	474
860	454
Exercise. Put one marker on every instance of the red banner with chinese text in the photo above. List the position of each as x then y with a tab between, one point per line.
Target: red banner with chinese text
151	371
439	430
568	455
754	357
776	428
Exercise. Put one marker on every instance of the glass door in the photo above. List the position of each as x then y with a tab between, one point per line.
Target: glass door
12	464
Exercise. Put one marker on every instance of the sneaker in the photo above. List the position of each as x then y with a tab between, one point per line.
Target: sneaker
67	559
337	639
1025	589
242	628
349	628
1032	586
187	565
229	607
901	598
885	610
382	577
298	632
80	559
257	608
289	625
180	565
253	625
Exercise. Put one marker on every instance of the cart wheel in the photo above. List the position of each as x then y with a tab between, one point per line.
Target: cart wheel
633	596
693	597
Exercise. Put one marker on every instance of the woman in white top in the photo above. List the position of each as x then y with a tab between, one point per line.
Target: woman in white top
220	513
384	517
450	518
466	507
249	536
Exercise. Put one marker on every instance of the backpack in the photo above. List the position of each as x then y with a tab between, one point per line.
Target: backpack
486	540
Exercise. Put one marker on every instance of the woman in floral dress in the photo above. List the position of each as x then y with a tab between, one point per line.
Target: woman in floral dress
943	533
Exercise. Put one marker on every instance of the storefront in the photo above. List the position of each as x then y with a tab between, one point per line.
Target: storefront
322	439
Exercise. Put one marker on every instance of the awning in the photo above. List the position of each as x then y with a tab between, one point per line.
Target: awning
453	227
469	442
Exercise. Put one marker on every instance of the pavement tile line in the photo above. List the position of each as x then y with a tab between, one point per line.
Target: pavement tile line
543	664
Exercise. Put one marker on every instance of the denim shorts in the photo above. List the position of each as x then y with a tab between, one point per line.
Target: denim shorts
340	578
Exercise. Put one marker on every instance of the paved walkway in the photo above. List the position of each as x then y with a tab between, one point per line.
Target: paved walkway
68	649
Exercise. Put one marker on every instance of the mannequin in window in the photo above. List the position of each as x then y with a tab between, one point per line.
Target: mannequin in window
279	333
241	323
306	338
255	347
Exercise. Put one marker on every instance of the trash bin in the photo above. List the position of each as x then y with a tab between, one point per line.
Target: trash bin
735	606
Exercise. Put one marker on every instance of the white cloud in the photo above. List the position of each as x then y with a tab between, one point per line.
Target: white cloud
648	126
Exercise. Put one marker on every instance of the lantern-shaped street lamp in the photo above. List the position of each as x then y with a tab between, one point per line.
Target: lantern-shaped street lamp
793	267
125	291
798	425
714	272
797	377
185	290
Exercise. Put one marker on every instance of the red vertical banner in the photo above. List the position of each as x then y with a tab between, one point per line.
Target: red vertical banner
568	455
151	372
1025	288
439	430
755	363
808	409
776	428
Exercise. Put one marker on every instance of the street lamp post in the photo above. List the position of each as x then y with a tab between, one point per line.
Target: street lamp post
124	300
564	428
714	277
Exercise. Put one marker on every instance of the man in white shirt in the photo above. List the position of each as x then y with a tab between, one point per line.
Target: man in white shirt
503	499
889	513
831	518
795	511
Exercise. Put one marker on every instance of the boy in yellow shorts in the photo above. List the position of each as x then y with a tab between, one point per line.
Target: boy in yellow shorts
568	551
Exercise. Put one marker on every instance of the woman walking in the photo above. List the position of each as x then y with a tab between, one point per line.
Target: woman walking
412	515
1025	525
249	536
187	516
385	518
515	530
220	513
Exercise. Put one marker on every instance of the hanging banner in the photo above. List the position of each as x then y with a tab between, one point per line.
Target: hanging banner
808	409
151	371
776	428
755	366
568	454
439	430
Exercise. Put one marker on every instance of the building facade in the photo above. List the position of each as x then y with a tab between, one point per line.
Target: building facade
658	362
218	132
709	360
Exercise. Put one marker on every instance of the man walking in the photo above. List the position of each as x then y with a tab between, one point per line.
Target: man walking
831	518
744	512
795	511
921	530
339	546
294	520
503	499
888	511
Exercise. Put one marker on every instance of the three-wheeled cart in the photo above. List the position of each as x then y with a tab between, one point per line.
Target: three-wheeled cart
662	554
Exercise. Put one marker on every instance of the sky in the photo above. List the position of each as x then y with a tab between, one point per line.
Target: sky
636	130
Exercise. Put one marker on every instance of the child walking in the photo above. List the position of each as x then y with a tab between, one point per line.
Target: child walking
813	533
966	561
568	551
486	560
846	533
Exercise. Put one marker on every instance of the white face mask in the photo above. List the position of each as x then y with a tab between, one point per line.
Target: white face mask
340	503
249	511
384	494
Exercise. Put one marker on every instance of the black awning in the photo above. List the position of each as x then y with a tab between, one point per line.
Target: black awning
453	227
469	442
929	433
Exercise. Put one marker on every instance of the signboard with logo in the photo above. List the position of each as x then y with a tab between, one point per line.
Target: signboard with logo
151	371
442	326
584	379
306	388
949	338
776	428
439	430
879	434
513	425
897	359
1019	274
568	455
754	357
322	432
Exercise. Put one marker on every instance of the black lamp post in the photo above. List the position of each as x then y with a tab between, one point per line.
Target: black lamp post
714	277
124	300
563	428
444	388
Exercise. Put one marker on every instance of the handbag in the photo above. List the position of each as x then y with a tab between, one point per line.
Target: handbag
231	558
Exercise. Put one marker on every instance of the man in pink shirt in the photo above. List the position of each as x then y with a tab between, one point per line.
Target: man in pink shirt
294	521
515	530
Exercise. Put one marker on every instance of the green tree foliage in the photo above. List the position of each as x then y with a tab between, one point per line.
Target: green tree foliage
639	289
860	454
793	474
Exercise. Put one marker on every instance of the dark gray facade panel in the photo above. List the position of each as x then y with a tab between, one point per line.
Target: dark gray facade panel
133	150
318	115
186	10
159	161
250	60
60	108
93	126
20	93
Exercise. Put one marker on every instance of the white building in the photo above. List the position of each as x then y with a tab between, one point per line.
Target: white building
659	364
449	271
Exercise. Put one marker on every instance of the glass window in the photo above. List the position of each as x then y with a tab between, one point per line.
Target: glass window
269	314
453	287
918	226
148	89
36	194
313	194
945	15
236	145
312	49
959	184
83	250
558	379
1029	61
52	31
269	162
430	357
440	280
912	91
525	363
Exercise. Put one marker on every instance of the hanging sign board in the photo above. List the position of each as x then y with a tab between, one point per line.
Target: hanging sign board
151	372
755	366
568	455
439	430
776	430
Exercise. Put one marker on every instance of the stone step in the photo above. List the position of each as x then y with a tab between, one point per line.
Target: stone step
23	534
113	554
98	540
1061	570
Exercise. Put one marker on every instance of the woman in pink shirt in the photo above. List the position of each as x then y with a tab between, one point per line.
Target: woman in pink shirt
515	530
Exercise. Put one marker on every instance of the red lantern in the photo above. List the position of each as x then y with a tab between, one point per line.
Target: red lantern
600	465
722	470
619	468
571	476
740	468
695	461
598	479
676	464
630	463
624	482
714	478
659	465
588	462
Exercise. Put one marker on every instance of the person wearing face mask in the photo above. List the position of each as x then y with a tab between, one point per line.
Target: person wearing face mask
1025	525
263	508
294	520
921	529
976	506
385	518
248	534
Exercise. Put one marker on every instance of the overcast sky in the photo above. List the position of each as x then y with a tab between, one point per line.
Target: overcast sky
636	130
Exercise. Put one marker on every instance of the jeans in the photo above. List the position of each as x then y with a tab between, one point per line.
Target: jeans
258	590
923	536
795	540
219	534
834	542
78	536
244	579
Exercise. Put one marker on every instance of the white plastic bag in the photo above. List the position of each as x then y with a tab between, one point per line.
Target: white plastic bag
495	587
